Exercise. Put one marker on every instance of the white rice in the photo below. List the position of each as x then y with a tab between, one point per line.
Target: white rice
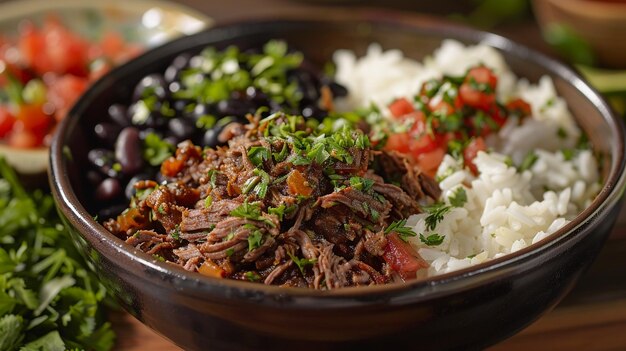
506	210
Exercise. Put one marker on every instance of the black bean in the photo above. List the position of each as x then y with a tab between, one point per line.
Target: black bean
94	178
210	137
170	139
202	110
107	132
108	190
313	111
232	107
156	120
144	132
119	115
130	187
128	151
180	105
172	73
101	157
111	211
181	128
338	90
256	95
152	84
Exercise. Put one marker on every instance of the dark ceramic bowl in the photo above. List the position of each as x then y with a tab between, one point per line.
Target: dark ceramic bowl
467	309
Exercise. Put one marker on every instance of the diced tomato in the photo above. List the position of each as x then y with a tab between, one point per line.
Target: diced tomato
430	161
401	107
422	144
470	152
297	184
478	89
482	75
442	106
519	106
172	166
402	257
34	119
399	142
6	121
63	93
23	138
112	44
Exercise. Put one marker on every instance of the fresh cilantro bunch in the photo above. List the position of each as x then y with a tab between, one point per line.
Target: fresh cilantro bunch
49	300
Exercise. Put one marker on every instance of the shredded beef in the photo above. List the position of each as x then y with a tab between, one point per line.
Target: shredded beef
278	207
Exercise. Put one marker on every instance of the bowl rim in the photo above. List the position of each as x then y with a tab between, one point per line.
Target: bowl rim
192	283
23	8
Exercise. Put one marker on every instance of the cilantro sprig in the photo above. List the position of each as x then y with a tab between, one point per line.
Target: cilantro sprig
400	228
48	299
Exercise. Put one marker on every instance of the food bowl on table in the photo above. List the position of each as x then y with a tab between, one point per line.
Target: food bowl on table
125	28
469	308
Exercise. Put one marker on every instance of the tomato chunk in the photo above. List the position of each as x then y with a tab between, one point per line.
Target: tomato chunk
6	122
478	88
402	257
401	107
470	152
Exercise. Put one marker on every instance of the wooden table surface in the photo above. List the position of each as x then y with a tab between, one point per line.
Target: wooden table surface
592	317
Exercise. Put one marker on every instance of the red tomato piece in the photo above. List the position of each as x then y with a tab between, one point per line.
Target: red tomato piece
470	152
478	89
23	138
401	107
520	106
430	161
6	122
34	120
402	257
398	142
64	91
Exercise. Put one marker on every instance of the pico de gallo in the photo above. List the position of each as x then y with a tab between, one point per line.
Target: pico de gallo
450	115
43	72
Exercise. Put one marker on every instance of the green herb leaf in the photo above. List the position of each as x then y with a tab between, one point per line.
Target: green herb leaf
432	240
302	262
254	240
529	161
459	197
400	228
155	150
435	214
258	155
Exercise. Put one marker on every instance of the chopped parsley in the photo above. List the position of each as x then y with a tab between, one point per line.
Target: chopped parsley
362	184
252	276
302	262
435	214
258	155
250	211
282	210
208	201
400	228
561	133
176	233
155	150
255	239
459	197
212	174
432	240
161	208
528	161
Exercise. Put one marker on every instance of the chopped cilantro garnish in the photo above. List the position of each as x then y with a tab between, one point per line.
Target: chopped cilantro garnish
529	161
252	276
459	197
282	210
400	228
258	155
212	174
280	156
208	201
432	240
561	133
435	214
254	240
362	184
161	208
155	150
568	154
176	233
302	262
250	211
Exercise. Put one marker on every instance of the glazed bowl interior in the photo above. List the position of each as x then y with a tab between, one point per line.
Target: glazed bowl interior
318	39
